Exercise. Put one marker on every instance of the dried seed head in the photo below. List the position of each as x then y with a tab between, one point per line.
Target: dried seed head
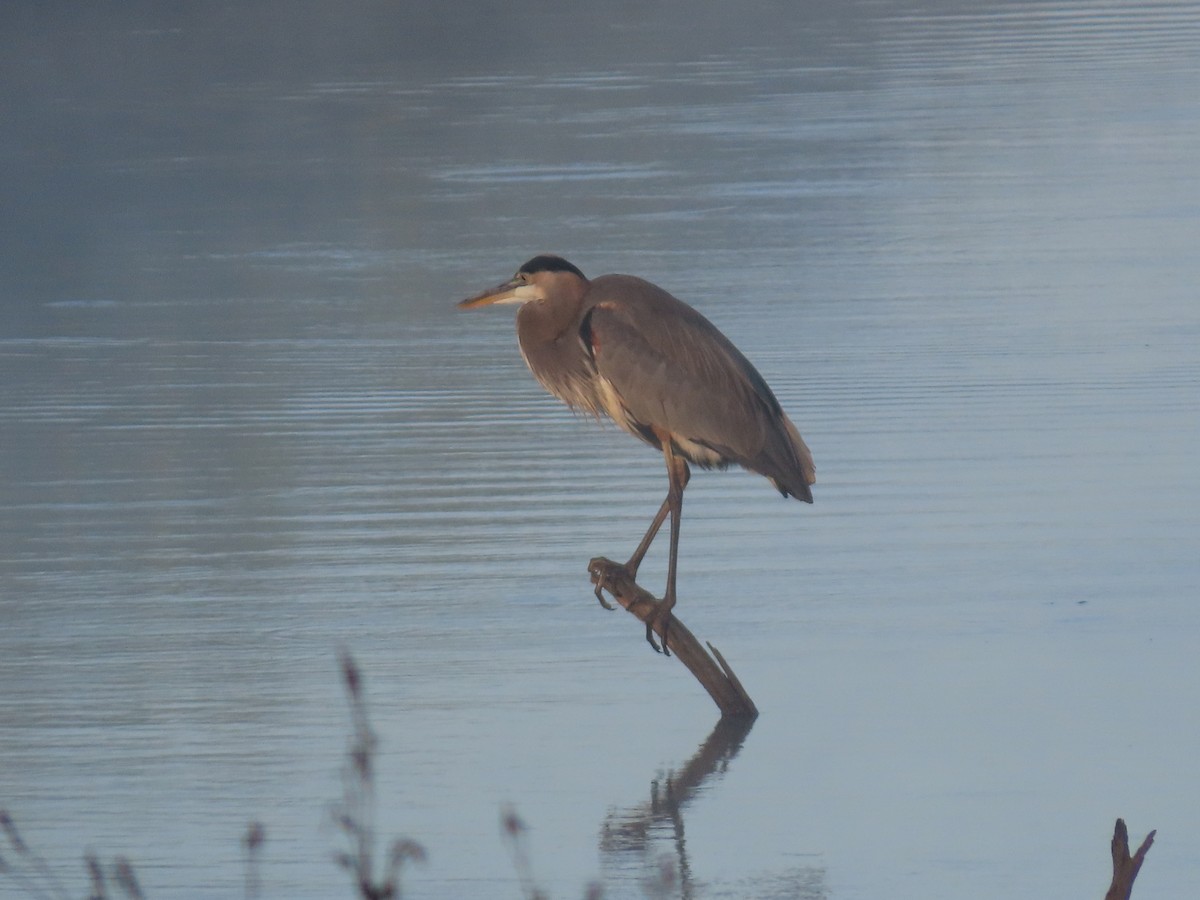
351	675
512	824
126	879
256	835
407	850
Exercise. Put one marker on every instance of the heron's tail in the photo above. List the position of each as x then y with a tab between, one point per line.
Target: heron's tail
791	469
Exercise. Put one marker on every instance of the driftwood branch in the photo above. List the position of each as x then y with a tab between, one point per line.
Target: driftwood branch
1125	867
715	675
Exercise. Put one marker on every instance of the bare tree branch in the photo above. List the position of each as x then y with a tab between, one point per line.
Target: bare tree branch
715	675
1125	867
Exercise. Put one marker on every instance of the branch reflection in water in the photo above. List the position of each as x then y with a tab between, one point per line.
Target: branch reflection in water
640	836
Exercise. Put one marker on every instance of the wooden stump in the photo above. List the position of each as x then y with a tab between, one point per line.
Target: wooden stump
713	673
1125	867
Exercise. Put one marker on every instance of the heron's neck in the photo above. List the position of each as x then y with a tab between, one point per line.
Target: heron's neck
545	321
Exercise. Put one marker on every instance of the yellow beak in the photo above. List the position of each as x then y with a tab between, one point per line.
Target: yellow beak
501	293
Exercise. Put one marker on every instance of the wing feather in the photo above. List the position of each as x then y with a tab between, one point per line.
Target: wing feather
671	369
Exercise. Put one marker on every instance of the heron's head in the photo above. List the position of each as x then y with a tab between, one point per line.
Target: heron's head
542	278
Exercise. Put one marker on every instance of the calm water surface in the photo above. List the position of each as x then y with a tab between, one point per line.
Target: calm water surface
244	426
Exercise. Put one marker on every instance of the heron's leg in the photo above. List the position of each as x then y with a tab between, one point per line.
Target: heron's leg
636	560
678	475
639	554
631	567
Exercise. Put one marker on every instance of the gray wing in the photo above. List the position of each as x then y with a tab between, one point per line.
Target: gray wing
672	370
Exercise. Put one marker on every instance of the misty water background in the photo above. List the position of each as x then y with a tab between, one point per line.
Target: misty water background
242	426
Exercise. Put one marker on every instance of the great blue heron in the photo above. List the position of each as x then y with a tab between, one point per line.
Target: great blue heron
622	346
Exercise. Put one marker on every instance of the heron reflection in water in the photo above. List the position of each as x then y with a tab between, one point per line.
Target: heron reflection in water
622	346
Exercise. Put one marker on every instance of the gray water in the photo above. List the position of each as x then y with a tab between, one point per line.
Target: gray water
245	427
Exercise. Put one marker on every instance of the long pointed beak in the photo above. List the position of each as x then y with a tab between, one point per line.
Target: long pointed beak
501	293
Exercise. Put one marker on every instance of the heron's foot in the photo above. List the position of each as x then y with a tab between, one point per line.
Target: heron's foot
650	637
662	618
618	581
608	576
600	596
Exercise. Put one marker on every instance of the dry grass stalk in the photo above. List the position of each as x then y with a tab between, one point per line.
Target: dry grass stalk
253	840
34	877
355	816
